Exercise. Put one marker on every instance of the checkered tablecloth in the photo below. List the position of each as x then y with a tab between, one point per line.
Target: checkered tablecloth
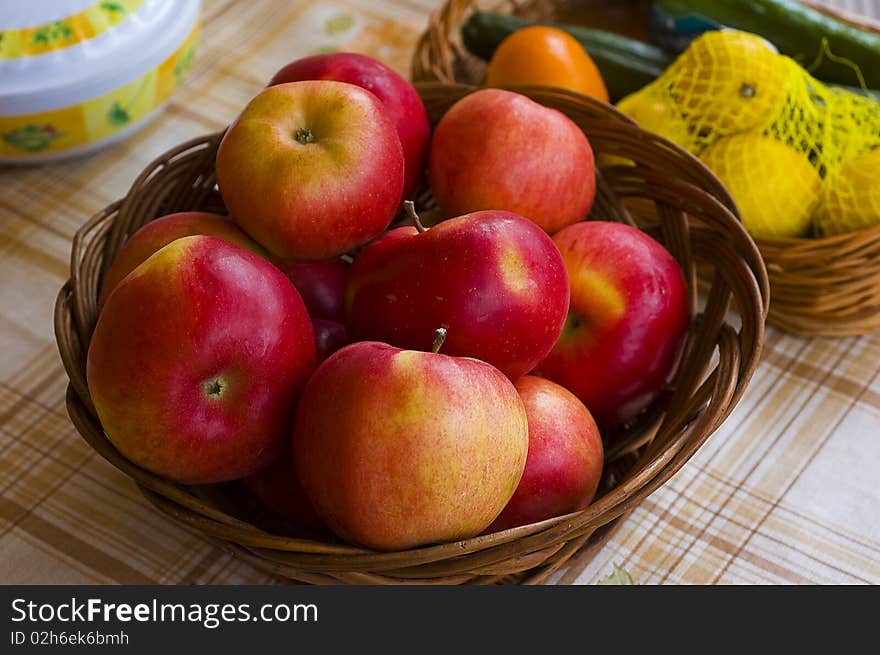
785	492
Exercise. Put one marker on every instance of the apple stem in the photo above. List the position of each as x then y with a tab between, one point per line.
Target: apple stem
214	388
304	136
438	339
410	208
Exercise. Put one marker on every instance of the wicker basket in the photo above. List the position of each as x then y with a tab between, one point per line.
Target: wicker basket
721	351
820	286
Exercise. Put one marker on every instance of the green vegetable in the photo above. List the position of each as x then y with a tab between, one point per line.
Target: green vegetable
798	31
626	65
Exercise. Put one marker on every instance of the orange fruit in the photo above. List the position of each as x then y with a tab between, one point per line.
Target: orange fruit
547	56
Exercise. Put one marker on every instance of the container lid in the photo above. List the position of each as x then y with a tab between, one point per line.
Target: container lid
55	53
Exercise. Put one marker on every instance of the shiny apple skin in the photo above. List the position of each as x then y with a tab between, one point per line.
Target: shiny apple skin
497	149
197	360
398	95
494	279
399	448
312	169
162	231
629	312
565	461
321	285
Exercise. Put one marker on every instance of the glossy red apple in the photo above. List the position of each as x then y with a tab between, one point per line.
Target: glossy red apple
311	169
564	464
330	336
197	359
496	149
162	231
398	95
321	285
400	448
629	313
494	279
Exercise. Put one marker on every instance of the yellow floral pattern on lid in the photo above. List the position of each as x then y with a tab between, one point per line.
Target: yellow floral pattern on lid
85	25
98	118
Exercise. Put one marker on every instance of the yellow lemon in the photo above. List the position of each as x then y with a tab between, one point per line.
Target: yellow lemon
851	197
728	81
657	114
774	186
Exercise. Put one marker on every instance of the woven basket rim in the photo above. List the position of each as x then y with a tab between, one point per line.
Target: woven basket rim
656	449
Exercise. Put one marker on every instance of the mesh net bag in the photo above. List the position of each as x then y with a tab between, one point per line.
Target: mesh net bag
799	157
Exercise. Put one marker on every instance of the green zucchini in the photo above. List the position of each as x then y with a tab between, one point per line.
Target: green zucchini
796	30
626	65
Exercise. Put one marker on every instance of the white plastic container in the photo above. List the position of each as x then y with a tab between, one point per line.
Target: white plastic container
77	75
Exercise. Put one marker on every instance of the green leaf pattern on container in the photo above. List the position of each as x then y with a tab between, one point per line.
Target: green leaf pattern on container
183	63
32	138
117	115
112	7
52	33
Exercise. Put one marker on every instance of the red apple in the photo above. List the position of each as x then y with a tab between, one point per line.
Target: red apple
162	231
496	149
311	169
321	285
629	312
330	336
197	359
400	98
278	488
564	464
494	279
400	448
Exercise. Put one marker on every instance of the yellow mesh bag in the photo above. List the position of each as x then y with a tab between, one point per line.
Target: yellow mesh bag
799	157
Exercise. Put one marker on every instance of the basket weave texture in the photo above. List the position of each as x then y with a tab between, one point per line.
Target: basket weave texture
719	355
820	286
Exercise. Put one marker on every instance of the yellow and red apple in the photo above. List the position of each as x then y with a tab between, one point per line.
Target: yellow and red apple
493	279
398	95
400	448
197	359
311	169
162	231
496	149
628	315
